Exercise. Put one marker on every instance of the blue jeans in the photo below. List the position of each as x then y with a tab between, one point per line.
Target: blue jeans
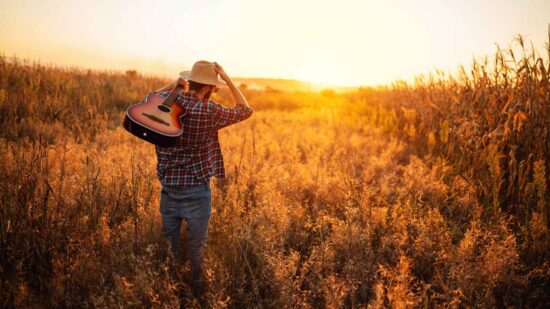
194	205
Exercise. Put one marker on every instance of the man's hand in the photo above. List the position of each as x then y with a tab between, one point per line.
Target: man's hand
237	95
173	84
181	81
218	68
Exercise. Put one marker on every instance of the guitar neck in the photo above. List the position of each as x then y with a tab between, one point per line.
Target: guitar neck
172	96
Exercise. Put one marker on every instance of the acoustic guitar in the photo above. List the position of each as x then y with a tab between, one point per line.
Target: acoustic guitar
157	120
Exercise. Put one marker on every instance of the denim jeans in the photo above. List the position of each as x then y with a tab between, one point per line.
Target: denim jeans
194	205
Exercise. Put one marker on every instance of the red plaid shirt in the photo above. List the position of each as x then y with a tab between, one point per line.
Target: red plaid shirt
196	156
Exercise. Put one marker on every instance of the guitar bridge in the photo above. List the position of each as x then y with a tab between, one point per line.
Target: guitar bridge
155	118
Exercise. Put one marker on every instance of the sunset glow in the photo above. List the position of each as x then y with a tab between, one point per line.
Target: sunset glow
345	42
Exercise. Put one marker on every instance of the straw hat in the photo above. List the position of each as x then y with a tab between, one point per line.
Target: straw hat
203	72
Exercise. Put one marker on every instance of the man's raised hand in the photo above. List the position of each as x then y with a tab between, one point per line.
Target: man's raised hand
221	72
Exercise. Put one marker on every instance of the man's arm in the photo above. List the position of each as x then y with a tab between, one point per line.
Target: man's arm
237	95
224	116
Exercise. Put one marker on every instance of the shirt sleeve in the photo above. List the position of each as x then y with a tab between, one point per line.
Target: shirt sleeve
224	116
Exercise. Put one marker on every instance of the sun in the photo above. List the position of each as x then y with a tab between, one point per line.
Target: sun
322	70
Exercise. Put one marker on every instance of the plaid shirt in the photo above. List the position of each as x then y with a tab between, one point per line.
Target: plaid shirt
196	156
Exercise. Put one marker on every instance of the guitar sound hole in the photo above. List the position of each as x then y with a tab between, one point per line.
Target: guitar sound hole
164	108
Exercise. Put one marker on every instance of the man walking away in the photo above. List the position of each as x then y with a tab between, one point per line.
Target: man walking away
185	169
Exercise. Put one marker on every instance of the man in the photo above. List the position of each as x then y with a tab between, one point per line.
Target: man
185	169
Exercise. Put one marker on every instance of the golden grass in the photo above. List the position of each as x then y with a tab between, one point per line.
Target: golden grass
432	194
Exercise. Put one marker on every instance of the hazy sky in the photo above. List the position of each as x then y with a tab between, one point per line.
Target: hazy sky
344	42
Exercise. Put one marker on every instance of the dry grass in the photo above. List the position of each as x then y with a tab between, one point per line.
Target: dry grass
434	194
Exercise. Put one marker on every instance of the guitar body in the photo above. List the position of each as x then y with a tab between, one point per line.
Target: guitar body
155	121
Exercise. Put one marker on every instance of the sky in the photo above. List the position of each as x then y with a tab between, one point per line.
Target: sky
345	42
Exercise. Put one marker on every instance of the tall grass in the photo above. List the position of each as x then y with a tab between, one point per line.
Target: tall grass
490	122
432	194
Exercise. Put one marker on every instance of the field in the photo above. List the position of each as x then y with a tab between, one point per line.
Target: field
431	194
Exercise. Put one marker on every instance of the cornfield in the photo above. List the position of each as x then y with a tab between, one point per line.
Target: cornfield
430	194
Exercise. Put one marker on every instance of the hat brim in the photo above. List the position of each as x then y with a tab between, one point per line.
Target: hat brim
187	76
